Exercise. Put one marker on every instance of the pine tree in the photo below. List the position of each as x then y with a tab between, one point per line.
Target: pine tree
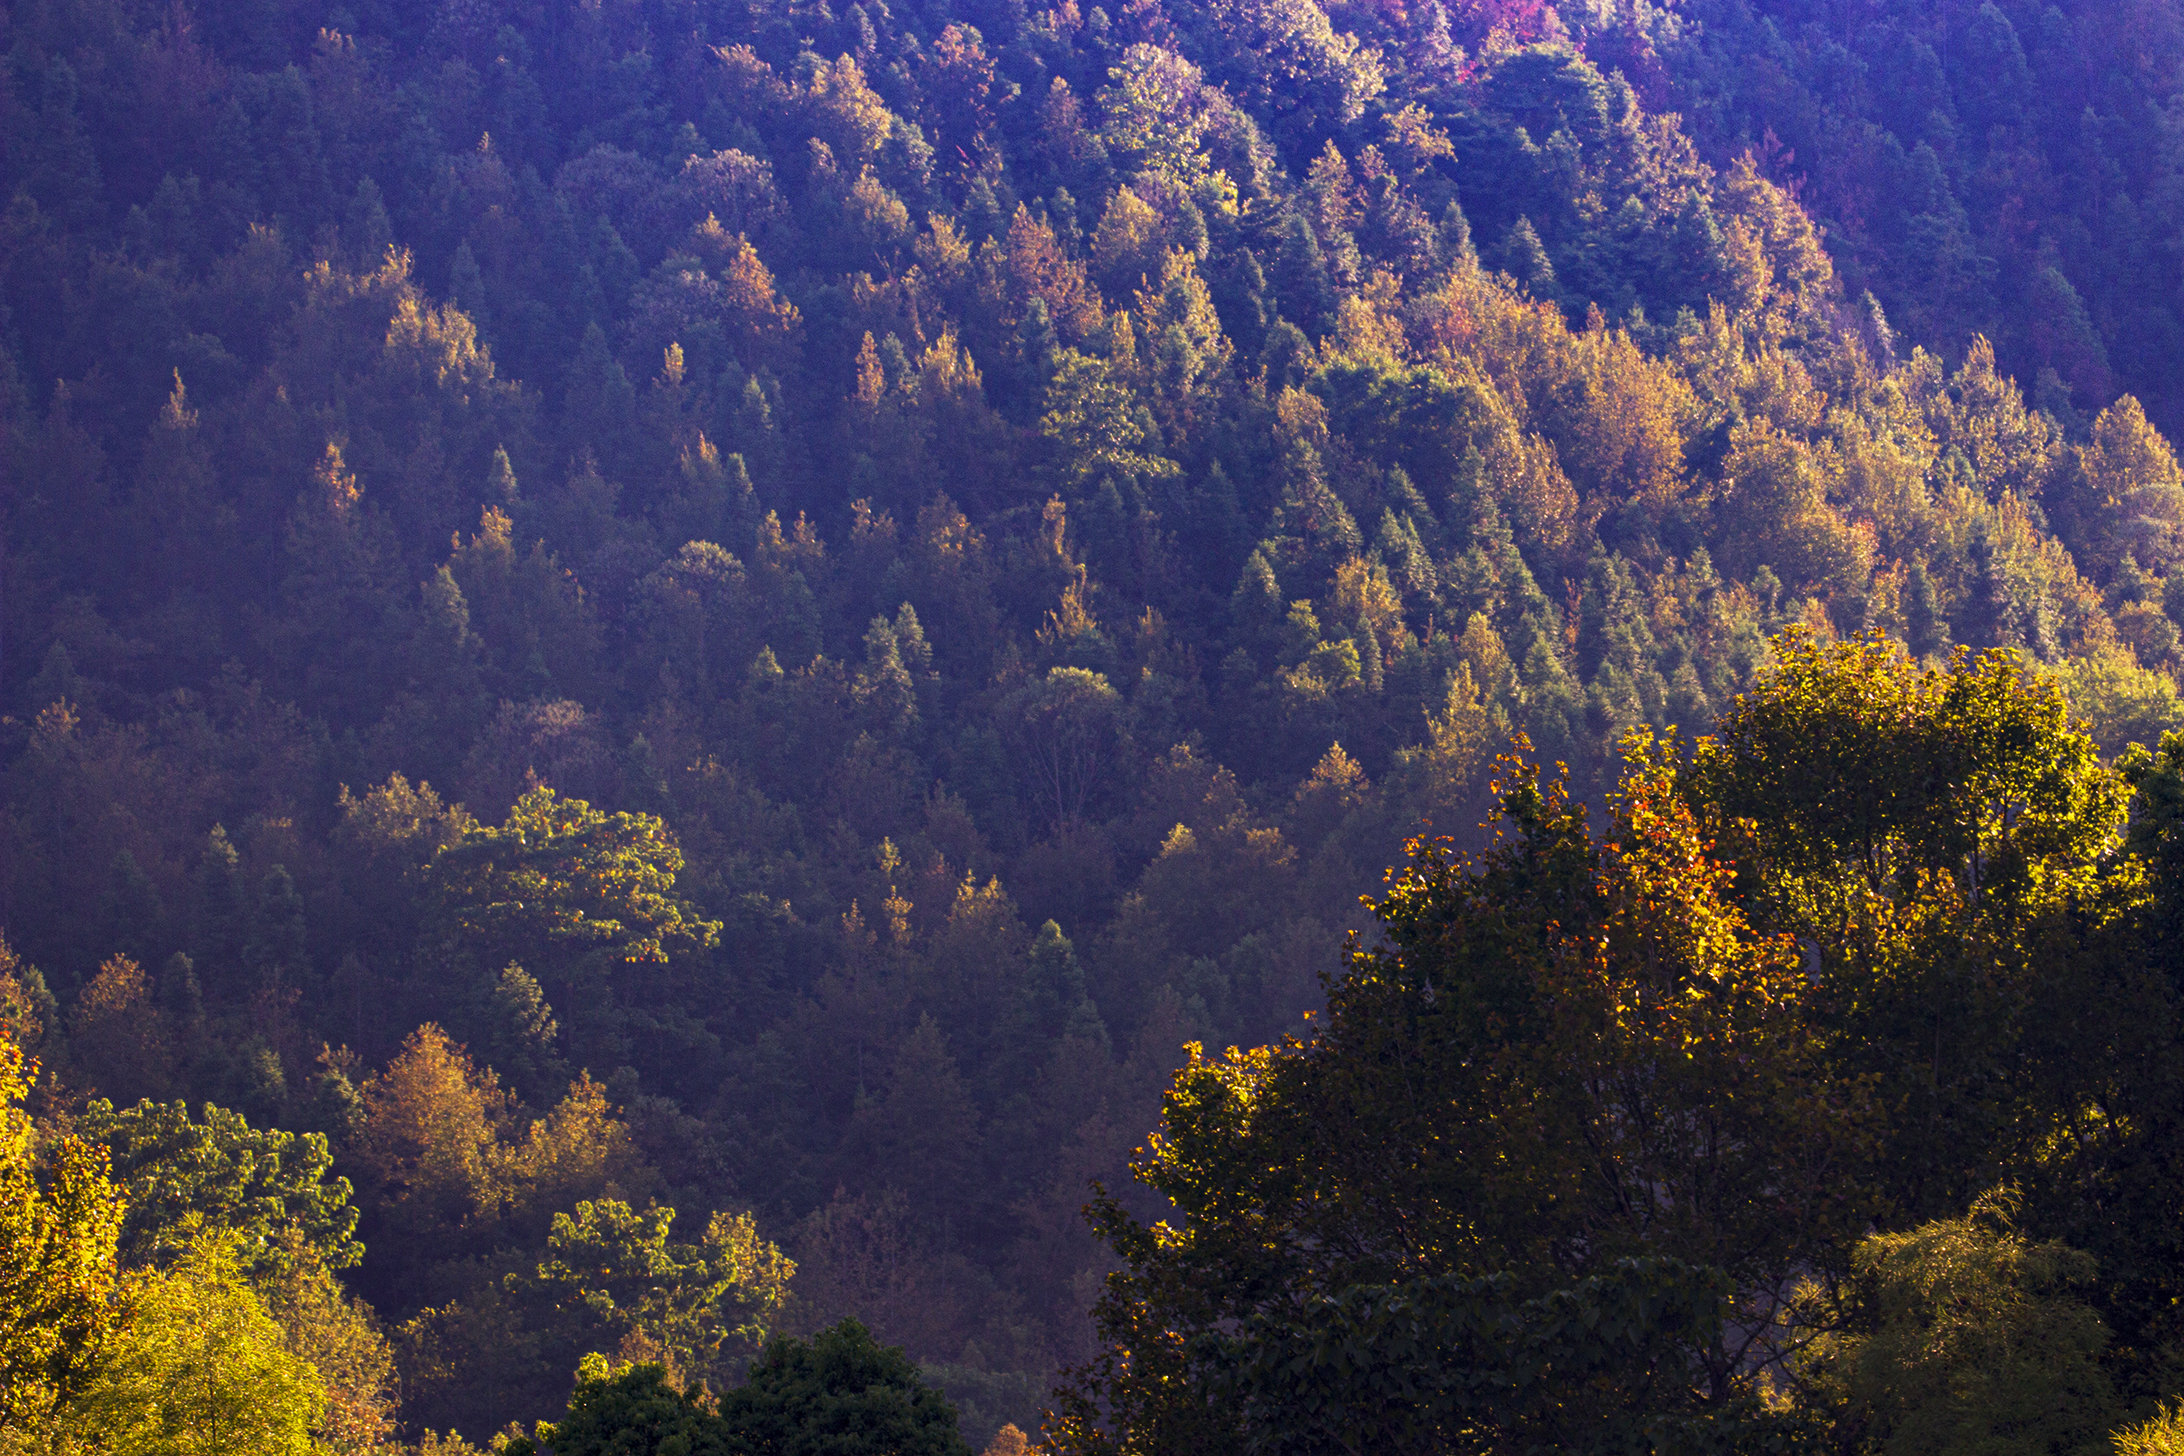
1525	256
1056	994
466	285
923	1135
368	234
273	949
602	403
217	916
1301	275
1256	608
64	168
1927	629
521	1034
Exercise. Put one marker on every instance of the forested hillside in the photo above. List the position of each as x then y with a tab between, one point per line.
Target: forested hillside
2008	170
659	655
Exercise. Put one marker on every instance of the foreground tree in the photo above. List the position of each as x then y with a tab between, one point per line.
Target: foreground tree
60	1221
1962	1335
182	1176
840	1394
1564	1063
1586	1142
1940	841
200	1370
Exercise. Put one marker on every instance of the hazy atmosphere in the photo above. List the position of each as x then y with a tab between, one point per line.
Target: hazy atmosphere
1229	728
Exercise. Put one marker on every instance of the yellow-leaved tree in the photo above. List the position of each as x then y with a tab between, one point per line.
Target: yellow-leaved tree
200	1369
60	1219
1964	1335
180	1360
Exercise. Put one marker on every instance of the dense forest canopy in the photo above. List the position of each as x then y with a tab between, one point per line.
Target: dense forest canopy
661	659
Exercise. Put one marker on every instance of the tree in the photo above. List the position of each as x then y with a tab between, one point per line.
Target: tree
562	884
2160	1435
1126	244
1774	509
1036	269
427	1144
119	1038
60	1224
1157	112
200	1370
1095	426
767	325
1285	56
1566	1053
1963	1335
252	1185
581	1149
704	1307
1188	357
634	1409
1526	257
339	1338
1925	832
841	1394
959	82
1459	1365
1858	769
1068	729
1459	737
531	625
922	1137
2133	492
523	1032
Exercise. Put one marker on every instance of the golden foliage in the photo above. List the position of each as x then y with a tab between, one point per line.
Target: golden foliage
200	1369
60	1223
1034	266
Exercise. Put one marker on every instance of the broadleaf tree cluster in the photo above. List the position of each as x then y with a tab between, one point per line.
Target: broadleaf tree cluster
1814	1102
656	658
